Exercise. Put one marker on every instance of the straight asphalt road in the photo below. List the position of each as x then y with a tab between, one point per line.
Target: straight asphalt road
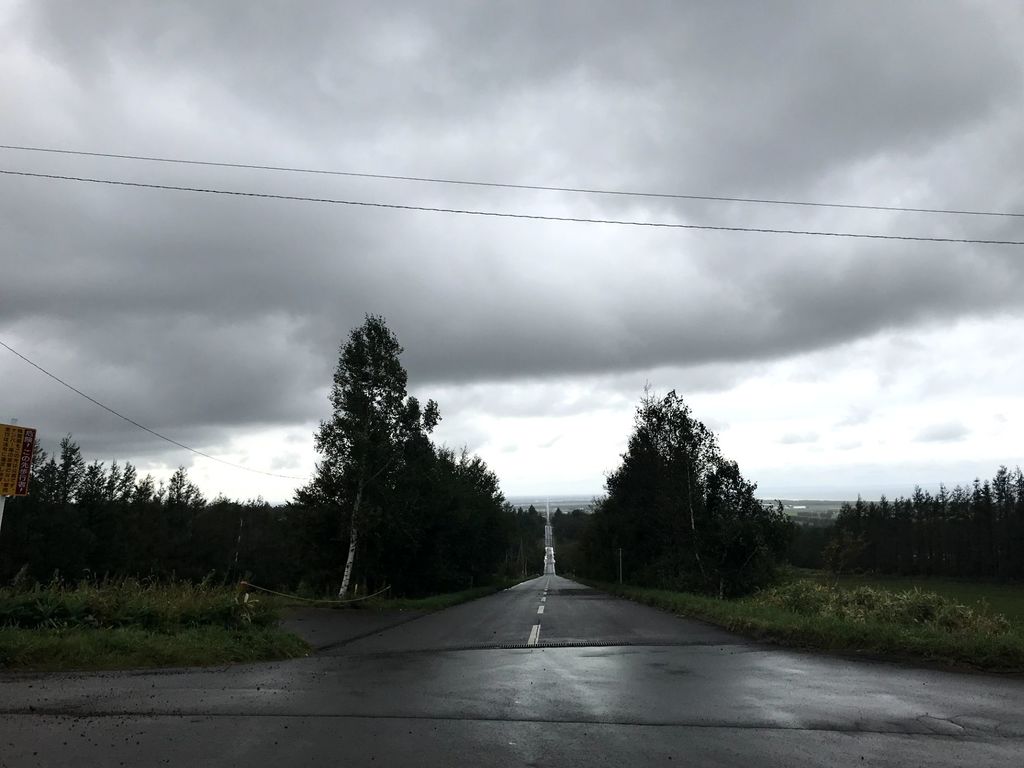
548	673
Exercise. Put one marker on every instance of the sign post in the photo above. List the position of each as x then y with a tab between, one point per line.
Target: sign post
16	444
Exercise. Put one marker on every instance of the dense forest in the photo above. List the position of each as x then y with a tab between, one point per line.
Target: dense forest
682	514
94	520
386	506
975	532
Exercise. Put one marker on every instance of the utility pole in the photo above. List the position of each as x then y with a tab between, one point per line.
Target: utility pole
620	565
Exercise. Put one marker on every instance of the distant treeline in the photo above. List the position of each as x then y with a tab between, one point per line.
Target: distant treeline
385	506
446	527
975	532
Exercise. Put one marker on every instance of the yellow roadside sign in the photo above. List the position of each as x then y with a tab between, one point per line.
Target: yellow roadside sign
16	445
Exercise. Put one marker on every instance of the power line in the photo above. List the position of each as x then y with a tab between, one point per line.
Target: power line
504	185
141	426
507	215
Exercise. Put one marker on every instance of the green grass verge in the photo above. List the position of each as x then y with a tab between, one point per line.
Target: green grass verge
749	616
1007	599
130	648
131	603
130	624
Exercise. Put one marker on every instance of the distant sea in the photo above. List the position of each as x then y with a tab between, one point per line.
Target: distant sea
566	503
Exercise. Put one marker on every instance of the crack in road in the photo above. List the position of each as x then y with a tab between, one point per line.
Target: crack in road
890	730
543	645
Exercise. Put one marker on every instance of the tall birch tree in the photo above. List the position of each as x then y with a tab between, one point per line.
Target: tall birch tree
360	444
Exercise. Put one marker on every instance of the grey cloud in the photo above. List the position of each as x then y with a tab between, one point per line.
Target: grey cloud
796	438
286	462
856	416
945	432
194	314
872	480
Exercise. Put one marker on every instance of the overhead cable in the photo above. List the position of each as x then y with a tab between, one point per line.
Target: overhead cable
141	426
509	215
508	185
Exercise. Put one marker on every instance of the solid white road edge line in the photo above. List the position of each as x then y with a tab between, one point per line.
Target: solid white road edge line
534	635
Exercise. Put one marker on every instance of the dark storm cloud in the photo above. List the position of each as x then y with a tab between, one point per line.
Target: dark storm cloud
198	313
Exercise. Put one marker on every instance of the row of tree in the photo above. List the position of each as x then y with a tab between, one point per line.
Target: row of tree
83	519
973	532
386	506
97	520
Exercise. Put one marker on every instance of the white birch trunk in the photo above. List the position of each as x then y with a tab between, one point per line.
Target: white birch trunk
693	526
353	537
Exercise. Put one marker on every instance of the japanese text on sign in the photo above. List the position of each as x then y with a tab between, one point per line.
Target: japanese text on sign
16	445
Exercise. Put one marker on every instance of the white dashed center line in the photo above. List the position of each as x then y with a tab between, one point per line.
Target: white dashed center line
535	631
534	635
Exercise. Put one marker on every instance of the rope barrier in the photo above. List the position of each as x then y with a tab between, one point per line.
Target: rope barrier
310	599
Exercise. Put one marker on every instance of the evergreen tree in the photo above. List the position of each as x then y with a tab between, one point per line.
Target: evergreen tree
683	515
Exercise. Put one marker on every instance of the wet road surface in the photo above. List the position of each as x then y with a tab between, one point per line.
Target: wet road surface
548	673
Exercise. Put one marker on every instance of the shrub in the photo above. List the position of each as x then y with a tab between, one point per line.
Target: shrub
910	608
130	603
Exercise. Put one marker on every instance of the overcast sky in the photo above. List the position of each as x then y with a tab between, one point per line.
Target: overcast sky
827	366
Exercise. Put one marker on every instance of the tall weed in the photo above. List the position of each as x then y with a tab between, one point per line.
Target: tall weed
118	603
909	608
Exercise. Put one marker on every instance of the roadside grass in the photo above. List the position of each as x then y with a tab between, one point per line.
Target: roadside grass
130	603
1007	599
48	650
764	616
127	623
